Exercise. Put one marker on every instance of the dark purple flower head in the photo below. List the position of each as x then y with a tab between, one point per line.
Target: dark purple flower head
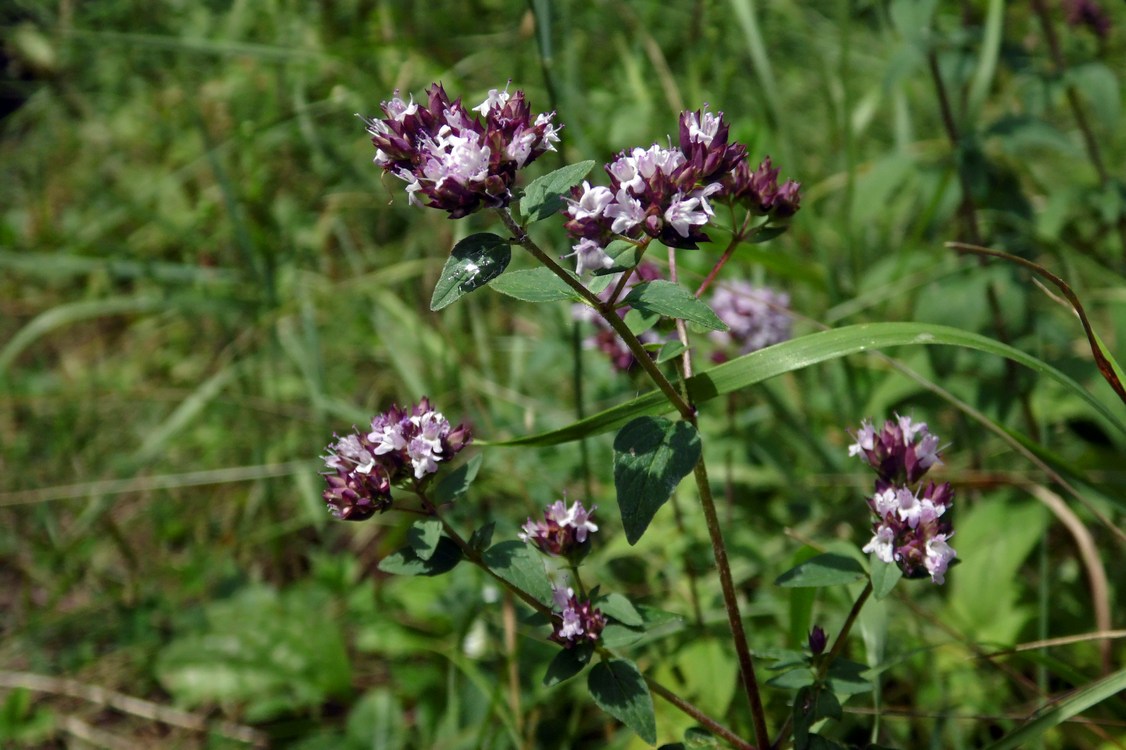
1090	14
894	452
402	445
666	194
909	526
910	530
703	141
563	530
759	191
654	192
355	495
756	318
576	622
455	160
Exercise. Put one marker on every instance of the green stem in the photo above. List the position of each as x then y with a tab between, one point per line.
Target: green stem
471	554
705	721
571	566
731	604
474	557
736	239
612	318
688	413
838	644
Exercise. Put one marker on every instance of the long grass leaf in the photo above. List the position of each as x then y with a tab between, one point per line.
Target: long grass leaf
184	413
987	63
74	312
1056	713
798	354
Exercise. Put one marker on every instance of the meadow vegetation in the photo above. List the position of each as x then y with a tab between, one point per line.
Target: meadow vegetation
203	277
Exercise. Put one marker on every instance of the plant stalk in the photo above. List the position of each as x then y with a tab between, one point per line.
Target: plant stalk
705	721
838	644
707	502
628	338
474	557
731	604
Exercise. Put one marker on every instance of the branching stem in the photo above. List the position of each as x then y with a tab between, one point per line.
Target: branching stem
607	312
707	502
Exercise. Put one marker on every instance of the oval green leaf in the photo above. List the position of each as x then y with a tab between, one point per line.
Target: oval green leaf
518	564
828	569
884	576
651	456
619	689
544	195
621	609
423	536
534	285
474	262
457	482
406	562
568	663
671	300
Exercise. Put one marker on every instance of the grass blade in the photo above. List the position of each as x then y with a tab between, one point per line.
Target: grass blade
798	354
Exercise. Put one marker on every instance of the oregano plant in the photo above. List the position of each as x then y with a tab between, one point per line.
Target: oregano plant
627	226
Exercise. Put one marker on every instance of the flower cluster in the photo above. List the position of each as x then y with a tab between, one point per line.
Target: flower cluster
909	528
667	193
576	621
400	445
563	530
454	160
1090	14
756	318
894	453
606	339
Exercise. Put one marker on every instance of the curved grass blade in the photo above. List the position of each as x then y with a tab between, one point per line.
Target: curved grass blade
1059	712
74	312
1108	367
798	354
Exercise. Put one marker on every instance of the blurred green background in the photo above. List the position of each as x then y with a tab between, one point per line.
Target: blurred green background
203	276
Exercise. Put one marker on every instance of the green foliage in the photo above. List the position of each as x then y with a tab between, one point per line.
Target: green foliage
884	576
671	300
651	456
520	565
202	277
828	569
255	649
474	262
419	560
23	724
544	195
619	689
534	285
568	663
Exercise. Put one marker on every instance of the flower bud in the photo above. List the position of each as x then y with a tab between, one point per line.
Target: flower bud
817	640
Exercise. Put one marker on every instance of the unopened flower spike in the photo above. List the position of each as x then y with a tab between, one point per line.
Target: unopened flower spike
401	446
